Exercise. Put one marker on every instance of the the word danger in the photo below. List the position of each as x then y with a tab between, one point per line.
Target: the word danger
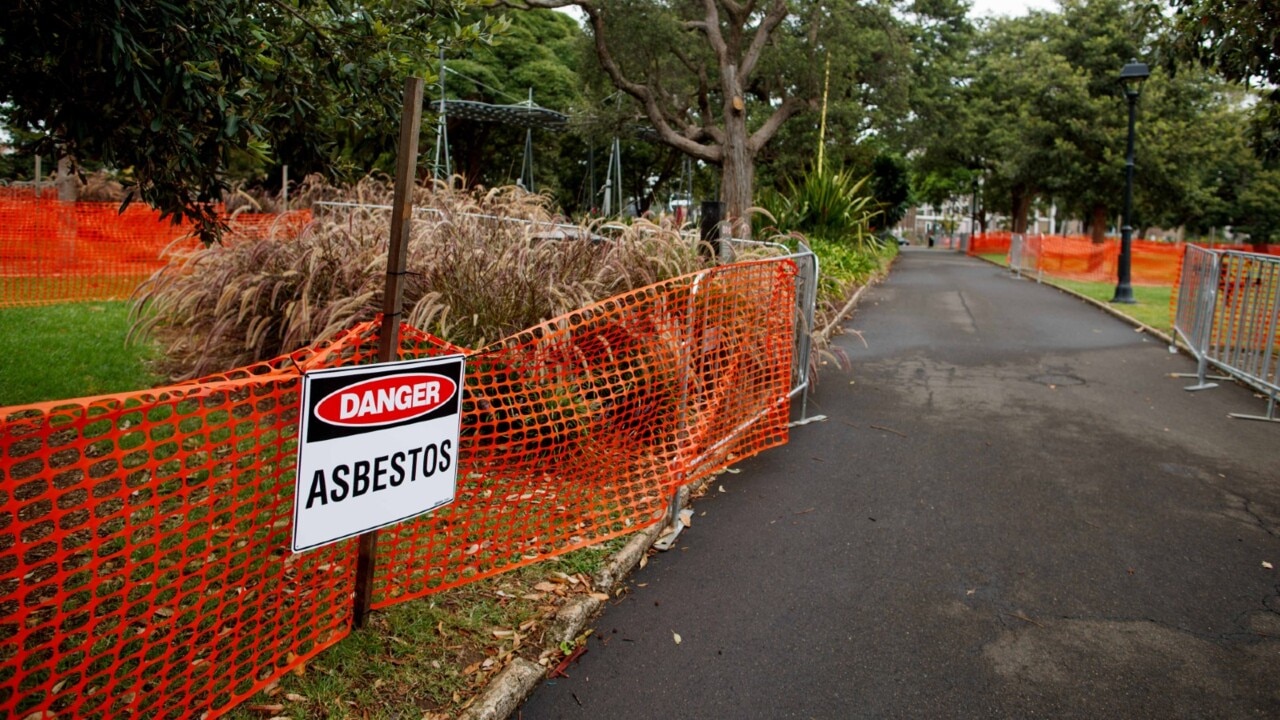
382	401
382	472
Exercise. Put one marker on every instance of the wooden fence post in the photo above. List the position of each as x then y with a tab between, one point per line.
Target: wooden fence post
389	334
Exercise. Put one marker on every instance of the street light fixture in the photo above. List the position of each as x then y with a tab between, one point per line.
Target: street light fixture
1132	75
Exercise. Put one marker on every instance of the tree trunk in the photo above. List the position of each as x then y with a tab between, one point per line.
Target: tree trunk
1098	234
735	192
66	182
67	192
737	169
1021	197
1098	224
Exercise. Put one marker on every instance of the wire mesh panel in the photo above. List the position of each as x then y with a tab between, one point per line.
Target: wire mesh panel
1246	327
1196	289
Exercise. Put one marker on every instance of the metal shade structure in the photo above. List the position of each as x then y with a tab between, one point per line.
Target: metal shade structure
523	115
530	116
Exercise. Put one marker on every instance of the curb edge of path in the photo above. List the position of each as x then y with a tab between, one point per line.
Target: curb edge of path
516	682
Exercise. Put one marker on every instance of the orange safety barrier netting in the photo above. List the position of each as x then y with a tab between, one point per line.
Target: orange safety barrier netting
52	252
989	243
1076	257
579	430
144	537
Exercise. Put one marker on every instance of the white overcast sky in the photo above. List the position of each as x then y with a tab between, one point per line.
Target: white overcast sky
981	8
1012	8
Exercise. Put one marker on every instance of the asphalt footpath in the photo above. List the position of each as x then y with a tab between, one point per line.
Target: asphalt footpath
1011	511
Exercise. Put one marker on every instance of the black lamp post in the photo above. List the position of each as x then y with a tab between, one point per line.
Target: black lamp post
1132	75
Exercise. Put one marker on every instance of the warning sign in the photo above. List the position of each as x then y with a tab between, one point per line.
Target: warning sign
378	444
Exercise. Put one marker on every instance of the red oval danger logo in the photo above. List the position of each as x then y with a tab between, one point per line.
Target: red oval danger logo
386	400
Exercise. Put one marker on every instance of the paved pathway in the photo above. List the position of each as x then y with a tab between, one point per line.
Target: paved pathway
1012	511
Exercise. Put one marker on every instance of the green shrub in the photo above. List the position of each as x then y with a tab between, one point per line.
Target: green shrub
829	205
844	266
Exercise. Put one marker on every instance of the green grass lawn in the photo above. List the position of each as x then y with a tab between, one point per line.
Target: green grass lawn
1151	309
66	351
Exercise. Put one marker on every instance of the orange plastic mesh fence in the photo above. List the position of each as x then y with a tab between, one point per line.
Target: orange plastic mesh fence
580	429
989	243
1176	291
144	568
144	537
1077	257
53	252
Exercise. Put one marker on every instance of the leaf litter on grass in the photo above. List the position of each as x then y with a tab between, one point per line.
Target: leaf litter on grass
429	658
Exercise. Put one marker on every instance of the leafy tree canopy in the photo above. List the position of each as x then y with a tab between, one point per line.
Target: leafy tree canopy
171	89
1236	38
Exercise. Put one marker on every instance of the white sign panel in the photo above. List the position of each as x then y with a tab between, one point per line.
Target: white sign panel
378	444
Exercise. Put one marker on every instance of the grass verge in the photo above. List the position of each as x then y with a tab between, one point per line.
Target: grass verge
65	351
1152	307
429	657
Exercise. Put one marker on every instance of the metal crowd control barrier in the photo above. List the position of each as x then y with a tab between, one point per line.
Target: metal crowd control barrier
1228	314
1024	256
1193	317
806	308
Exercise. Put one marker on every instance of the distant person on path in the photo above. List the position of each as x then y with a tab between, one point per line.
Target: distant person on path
930	239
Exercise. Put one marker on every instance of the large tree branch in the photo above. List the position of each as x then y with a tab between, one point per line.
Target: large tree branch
698	70
789	107
642	93
711	26
777	13
544	4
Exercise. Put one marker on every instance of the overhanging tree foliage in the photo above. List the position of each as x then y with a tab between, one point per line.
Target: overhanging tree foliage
537	52
1236	38
171	90
716	79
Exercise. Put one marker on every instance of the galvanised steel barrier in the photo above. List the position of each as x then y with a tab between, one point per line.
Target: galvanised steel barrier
1193	315
806	294
1024	255
1228	313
